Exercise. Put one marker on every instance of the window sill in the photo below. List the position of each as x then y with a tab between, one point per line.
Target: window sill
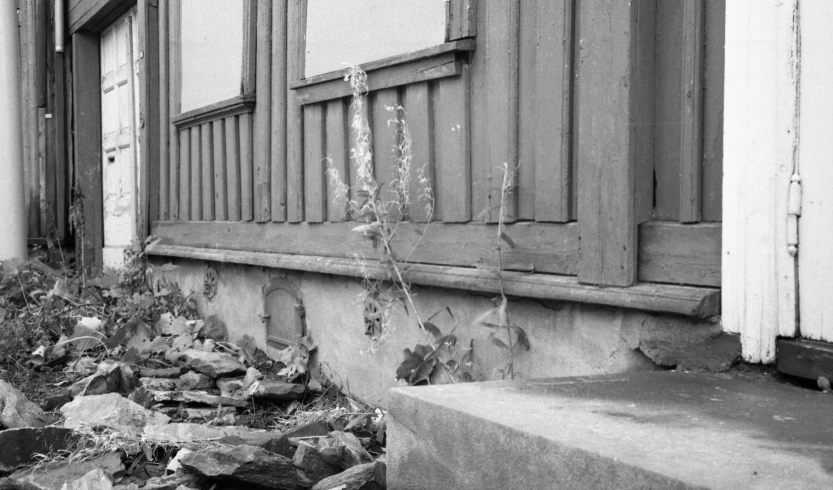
428	64
689	301
219	110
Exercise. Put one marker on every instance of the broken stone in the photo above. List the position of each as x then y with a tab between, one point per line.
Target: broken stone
19	446
699	345
16	410
246	465
213	364
56	401
360	477
110	410
91	385
158	384
209	413
169	482
110	377
173	372
141	396
316	468
274	391
175	465
52	477
200	397
182	433
285	445
194	381
214	329
94	480
229	386
343	449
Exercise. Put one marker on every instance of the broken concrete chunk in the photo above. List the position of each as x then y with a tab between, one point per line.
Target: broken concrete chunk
194	381
307	458
361	477
200	397
16	410
94	480
274	391
158	384
111	410
214	329
19	446
246	465
213	364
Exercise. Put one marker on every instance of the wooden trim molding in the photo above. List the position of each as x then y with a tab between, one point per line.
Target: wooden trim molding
213	112
428	64
682	300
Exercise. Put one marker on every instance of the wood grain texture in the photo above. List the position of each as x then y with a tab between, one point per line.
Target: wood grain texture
149	143
196	173
611	114
245	143
61	124
462	19
218	135
185	174
25	95
296	28
452	127
385	130
419	116
315	185
670	252
338	156
232	141
263	115
164	115
691	96
712	200
250	44
207	169
93	16
279	111
177	164
662	298
546	247
32	132
804	358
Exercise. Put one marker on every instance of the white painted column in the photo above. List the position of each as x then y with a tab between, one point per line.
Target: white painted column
759	156
12	204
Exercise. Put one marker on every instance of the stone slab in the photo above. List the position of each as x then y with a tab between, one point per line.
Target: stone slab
642	430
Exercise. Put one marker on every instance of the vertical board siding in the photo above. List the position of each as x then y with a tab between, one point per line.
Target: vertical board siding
315	188
185	175
232	167
294	113
452	139
262	115
207	169
177	163
338	156
691	96
419	116
196	174
713	80
351	137
384	129
245	143
164	121
279	111
219	154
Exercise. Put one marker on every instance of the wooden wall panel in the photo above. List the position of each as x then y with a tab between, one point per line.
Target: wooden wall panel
714	61
367	116
384	129
294	114
452	125
263	115
337	154
279	111
315	186
230	124
245	142
691	97
207	170
164	115
196	173
220	197
185	175
419	114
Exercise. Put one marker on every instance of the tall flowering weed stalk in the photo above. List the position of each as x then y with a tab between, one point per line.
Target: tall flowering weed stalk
381	215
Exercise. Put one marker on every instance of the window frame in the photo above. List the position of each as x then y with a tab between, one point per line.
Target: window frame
240	104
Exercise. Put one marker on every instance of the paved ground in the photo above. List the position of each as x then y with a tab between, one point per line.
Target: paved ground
642	430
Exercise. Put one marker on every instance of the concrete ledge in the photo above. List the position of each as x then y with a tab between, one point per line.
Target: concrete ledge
694	302
645	430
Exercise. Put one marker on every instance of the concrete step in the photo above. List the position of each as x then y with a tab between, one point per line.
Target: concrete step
664	430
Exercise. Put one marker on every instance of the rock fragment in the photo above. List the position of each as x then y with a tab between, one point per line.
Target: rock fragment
194	381
94	480
361	477
19	446
246	465
213	364
274	391
16	410
110	410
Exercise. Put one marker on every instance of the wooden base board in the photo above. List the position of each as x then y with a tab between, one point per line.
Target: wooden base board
805	358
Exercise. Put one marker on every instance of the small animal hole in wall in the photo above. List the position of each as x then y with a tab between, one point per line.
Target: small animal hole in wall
209	285
284	312
373	313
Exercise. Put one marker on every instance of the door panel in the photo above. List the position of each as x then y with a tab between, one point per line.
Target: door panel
119	102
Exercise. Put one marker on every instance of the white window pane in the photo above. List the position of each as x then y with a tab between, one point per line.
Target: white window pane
358	31
212	51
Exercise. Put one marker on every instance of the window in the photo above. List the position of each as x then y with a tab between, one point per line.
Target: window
359	31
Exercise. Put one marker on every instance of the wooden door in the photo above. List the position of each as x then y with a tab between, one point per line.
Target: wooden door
815	257
120	143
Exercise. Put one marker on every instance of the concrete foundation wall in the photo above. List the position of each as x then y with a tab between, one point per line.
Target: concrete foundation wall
566	339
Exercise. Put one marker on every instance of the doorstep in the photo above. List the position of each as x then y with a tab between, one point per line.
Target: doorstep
640	430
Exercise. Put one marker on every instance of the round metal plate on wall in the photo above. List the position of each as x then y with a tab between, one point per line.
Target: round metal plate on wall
209	288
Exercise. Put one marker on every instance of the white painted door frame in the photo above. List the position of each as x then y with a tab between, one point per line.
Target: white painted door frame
760	157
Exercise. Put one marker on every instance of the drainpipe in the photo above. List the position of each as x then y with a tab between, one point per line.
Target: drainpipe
12	205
